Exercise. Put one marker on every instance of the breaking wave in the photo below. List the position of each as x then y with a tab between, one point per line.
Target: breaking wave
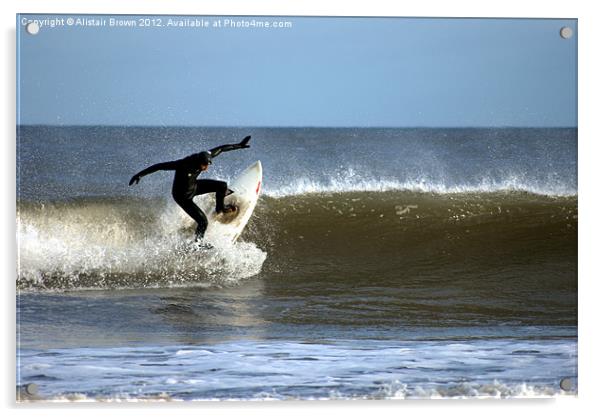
142	243
122	244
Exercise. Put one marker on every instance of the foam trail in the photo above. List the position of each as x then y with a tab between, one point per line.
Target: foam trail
102	246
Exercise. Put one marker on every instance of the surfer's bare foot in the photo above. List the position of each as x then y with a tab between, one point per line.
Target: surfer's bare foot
228	209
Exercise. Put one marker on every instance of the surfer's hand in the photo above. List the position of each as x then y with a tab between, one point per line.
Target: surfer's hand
244	143
135	179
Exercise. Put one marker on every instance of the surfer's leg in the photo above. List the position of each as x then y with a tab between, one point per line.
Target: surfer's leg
196	213
220	188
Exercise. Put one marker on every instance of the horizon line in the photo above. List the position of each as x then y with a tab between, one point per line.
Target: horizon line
296	126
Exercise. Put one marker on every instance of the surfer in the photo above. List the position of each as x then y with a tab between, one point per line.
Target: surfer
186	186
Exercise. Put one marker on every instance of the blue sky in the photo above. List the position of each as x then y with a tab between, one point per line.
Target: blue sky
396	72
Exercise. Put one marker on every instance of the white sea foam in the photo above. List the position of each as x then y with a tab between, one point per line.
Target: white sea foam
76	247
393	391
280	370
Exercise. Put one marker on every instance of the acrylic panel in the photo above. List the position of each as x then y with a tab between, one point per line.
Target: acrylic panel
280	207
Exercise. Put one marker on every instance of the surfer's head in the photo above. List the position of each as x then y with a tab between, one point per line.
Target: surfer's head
203	159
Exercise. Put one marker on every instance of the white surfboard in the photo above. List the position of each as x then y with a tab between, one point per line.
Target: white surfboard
228	227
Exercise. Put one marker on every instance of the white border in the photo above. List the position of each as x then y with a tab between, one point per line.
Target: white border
589	177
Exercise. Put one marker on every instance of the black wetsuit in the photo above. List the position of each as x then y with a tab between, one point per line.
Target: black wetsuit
186	186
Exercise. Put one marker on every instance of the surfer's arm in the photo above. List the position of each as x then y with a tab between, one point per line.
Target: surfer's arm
162	166
230	147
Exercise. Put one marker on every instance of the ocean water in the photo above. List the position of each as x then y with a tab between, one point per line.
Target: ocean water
379	263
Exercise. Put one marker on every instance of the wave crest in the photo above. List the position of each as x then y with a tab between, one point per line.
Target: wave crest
350	180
